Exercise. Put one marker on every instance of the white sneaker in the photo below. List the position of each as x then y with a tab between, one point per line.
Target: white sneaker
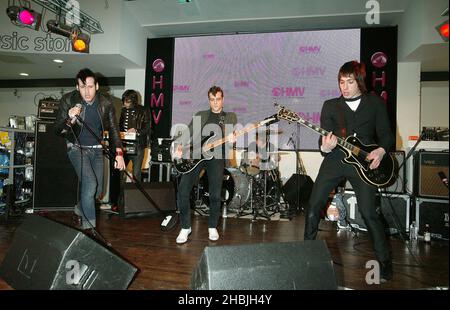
213	234
183	235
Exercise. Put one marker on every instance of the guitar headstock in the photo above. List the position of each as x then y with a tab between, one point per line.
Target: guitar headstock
287	115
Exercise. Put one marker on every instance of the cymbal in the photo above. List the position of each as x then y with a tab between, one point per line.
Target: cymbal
280	152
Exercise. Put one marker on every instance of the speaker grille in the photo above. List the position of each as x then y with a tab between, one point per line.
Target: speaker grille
47	255
133	203
55	180
427	167
284	265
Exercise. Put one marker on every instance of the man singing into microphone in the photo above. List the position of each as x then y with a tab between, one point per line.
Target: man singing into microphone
83	149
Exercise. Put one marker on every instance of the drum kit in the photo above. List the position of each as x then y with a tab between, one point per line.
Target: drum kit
254	188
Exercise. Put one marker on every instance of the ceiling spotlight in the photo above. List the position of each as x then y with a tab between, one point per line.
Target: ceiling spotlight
80	41
59	61
24	17
23	74
442	29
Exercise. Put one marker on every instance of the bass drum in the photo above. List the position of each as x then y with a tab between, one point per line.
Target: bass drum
235	189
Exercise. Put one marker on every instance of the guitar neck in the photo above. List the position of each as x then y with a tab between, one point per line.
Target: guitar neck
237	133
341	142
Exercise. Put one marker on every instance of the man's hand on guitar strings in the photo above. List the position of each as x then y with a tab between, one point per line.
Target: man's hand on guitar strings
375	157
329	142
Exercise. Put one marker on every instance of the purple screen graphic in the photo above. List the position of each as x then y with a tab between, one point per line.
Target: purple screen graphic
295	69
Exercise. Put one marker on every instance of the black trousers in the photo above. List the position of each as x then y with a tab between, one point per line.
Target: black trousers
214	169
331	173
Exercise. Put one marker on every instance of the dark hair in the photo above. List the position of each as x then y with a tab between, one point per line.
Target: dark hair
358	70
83	74
132	95
214	90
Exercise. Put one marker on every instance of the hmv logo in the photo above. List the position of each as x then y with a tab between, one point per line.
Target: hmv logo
311	49
288	92
181	88
308	71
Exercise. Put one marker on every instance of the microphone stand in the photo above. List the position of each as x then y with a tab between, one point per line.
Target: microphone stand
171	219
411	151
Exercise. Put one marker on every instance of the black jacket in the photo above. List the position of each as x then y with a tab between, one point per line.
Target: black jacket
105	110
143	124
370	122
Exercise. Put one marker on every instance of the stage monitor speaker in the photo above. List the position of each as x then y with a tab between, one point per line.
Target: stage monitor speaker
396	186
298	189
427	182
55	181
47	255
299	265
133	203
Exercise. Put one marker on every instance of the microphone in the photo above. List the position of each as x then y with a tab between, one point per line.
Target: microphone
73	119
443	178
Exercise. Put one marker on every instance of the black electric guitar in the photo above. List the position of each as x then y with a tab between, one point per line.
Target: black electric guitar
186	165
356	153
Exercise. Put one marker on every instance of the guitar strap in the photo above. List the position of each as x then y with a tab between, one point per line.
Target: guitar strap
222	122
342	129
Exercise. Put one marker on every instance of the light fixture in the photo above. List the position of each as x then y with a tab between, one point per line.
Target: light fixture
80	41
59	61
442	29
23	74
24	17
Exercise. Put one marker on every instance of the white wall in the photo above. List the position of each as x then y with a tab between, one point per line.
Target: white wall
135	79
434	104
408	102
417	26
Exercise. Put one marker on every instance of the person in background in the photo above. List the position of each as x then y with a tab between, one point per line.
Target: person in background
135	120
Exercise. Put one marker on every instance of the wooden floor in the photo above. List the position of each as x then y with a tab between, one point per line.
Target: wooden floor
164	265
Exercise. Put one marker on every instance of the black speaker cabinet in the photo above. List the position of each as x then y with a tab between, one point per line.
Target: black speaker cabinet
397	186
55	181
133	203
427	182
47	255
433	212
394	211
299	265
298	189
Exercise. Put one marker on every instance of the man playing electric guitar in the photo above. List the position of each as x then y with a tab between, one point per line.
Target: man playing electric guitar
363	114
220	123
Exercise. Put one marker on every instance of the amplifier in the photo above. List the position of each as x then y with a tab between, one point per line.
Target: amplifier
427	169
47	108
394	211
433	212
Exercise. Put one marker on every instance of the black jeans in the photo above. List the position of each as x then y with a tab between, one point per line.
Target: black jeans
214	168
331	173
